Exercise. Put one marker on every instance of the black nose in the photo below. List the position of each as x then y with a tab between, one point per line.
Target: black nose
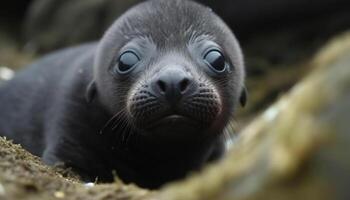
172	83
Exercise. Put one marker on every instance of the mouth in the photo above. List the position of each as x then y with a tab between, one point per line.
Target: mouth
174	120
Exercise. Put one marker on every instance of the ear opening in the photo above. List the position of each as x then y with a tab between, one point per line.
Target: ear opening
90	92
244	97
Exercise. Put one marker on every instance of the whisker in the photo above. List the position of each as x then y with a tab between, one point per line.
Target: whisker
110	122
125	130
122	132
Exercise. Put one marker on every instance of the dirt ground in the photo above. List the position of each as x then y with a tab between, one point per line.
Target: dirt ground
23	176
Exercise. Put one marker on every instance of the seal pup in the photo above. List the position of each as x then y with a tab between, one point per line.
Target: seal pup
149	101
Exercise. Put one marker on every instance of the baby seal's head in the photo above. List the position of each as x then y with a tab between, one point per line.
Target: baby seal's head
172	67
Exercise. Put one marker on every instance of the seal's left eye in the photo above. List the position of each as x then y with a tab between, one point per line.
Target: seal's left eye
216	60
127	61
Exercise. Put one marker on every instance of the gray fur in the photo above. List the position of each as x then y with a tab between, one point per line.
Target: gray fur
58	107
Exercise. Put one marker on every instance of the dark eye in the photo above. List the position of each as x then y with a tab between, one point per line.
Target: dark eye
216	60
127	61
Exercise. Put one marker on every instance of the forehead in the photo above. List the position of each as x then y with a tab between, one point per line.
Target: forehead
169	22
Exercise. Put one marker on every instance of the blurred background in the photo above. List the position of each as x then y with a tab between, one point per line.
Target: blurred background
278	37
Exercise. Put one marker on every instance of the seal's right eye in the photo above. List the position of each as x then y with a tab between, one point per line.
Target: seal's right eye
126	62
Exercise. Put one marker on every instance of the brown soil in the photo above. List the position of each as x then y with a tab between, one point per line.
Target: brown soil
23	176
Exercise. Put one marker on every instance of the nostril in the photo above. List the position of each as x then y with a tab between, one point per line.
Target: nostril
162	86
184	84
